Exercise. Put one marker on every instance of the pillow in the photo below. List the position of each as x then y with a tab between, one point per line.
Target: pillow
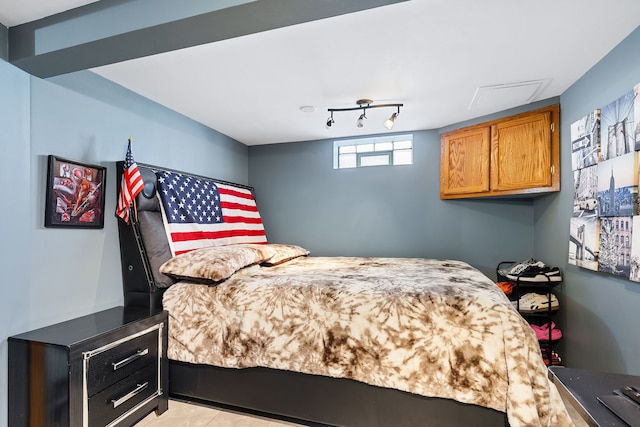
247	270
283	253
213	264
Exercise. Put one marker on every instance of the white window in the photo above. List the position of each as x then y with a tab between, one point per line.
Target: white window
376	151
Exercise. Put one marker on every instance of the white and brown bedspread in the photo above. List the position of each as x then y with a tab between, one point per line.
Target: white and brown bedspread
436	328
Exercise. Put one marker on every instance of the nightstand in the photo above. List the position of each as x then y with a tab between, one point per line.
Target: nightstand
582	387
105	369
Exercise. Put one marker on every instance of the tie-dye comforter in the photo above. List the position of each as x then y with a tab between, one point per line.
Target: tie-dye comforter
436	328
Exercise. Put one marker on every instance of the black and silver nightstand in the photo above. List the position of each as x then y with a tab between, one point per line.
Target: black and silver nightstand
582	387
105	369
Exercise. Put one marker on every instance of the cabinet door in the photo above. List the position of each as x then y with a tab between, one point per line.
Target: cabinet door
464	161
521	153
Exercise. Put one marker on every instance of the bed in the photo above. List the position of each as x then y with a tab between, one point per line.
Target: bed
338	341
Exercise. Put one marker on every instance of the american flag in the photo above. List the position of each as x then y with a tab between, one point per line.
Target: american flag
130	185
199	212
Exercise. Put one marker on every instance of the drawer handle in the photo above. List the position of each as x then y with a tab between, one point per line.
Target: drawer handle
133	357
138	389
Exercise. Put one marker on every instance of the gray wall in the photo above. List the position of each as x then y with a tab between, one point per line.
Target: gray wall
16	230
52	275
382	211
598	311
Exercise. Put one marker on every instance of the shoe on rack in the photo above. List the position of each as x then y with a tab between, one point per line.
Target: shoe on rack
551	357
532	271
532	302
507	287
542	332
518	267
555	358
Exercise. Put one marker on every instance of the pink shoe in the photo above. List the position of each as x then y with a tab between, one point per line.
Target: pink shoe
542	332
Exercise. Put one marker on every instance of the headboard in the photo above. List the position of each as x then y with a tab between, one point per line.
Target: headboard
143	243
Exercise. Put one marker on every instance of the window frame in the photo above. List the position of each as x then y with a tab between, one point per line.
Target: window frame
371	153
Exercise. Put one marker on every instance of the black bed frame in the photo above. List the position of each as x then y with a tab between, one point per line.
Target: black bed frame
307	399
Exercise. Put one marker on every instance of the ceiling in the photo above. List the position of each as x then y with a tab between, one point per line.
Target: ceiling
15	12
447	61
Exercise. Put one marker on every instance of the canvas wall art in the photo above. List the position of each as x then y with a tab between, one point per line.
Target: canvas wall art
614	255
584	242
634	273
606	207
618	186
585	141
585	192
617	131
636	115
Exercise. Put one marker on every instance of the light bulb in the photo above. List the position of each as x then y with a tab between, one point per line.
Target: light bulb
360	121
391	121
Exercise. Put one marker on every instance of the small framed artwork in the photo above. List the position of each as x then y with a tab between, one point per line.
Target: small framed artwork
75	194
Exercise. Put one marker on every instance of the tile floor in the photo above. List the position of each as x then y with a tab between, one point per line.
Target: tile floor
185	414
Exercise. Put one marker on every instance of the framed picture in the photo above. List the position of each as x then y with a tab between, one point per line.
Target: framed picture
75	194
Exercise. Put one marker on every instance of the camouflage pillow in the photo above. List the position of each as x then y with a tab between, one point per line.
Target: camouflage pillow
216	263
283	253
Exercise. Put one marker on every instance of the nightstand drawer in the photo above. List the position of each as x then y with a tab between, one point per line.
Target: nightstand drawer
107	405
112	365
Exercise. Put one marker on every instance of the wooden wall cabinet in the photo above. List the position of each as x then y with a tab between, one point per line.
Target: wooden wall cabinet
513	156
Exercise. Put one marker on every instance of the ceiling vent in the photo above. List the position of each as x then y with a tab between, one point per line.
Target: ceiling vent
507	95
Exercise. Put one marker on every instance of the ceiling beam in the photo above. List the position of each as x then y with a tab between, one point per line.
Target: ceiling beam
43	58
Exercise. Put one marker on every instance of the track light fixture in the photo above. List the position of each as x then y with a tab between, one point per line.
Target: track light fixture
364	105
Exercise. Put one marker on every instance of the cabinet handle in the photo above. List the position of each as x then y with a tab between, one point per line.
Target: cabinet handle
138	389
133	357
